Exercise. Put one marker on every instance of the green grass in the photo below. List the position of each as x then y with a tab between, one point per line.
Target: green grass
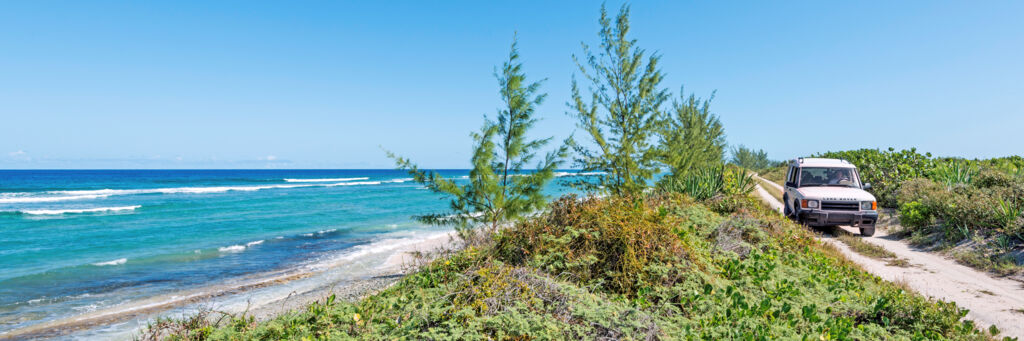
659	267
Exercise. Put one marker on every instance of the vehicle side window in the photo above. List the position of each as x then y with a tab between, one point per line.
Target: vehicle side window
793	171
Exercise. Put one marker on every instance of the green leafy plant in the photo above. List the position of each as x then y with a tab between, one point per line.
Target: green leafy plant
706	183
914	215
1008	212
954	173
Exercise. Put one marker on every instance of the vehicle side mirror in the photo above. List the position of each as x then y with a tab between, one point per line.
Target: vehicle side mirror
790	184
867	186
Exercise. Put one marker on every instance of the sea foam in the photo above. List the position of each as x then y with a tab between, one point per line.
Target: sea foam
12	200
325	180
232	248
81	210
119	261
33	197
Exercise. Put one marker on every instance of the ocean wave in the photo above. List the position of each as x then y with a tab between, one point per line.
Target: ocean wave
81	210
251	244
376	247
118	261
232	248
354	183
564	174
66	195
14	200
325	180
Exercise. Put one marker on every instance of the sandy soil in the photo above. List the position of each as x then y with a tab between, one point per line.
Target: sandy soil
991	300
396	265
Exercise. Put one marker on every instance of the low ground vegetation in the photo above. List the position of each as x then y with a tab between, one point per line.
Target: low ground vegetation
660	266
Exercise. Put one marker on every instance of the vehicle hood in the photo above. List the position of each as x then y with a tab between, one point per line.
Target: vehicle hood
836	193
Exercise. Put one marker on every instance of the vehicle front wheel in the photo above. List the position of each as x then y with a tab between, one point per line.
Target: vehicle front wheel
867	231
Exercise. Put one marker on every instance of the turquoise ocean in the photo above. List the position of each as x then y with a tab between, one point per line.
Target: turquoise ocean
74	242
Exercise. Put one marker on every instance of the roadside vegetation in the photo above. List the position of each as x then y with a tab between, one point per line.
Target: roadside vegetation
690	256
971	209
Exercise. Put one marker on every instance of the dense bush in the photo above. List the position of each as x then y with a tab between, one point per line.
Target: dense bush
914	215
607	243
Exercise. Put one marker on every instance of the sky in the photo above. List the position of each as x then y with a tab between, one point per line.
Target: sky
251	84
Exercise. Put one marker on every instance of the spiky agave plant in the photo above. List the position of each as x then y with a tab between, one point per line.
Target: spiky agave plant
954	173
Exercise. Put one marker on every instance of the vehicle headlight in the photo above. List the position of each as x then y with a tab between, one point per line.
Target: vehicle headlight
868	205
809	203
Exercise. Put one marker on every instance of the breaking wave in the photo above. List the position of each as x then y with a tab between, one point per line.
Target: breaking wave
325	180
80	210
119	261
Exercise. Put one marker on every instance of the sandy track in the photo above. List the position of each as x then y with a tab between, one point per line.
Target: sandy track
991	300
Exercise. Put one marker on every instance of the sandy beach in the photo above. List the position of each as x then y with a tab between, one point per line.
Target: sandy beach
350	276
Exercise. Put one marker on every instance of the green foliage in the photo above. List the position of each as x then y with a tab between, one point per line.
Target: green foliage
624	109
707	183
915	215
607	244
692	138
499	188
955	172
748	158
1008	212
886	170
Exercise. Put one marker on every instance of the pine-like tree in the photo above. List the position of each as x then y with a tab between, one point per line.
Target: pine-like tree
692	138
499	188
751	159
624	110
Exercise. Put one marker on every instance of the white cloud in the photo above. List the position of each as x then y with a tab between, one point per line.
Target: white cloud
270	158
17	153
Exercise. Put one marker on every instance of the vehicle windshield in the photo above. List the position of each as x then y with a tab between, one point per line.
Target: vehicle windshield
828	176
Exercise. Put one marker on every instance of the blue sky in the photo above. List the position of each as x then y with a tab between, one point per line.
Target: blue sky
323	84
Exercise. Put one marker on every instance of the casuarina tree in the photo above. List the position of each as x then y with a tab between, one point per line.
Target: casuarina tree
500	187
622	110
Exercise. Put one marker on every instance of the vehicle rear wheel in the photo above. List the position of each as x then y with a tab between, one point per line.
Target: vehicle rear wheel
867	231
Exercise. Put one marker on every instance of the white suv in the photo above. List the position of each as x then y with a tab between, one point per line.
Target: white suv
828	192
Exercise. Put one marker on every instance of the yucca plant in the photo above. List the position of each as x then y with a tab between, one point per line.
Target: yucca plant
740	181
705	183
700	184
1008	212
954	173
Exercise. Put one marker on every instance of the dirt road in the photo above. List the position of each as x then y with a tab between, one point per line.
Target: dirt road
991	300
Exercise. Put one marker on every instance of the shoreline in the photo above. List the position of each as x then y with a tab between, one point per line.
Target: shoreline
350	275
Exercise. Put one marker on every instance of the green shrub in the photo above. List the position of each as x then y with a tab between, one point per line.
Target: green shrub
608	243
914	215
990	177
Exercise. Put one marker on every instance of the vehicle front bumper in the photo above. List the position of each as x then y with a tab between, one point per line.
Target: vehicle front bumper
831	218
